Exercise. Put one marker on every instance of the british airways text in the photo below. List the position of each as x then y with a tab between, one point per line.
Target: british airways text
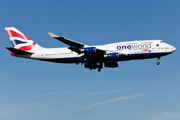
140	46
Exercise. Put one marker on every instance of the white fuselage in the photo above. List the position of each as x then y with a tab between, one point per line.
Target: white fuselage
133	49
91	56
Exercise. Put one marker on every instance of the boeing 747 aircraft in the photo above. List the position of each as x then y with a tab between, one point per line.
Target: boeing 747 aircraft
91	56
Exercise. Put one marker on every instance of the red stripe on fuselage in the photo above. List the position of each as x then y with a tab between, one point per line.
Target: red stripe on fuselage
145	50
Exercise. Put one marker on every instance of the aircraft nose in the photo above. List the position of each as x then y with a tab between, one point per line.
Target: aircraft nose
173	48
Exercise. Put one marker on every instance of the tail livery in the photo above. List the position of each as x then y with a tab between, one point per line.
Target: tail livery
20	41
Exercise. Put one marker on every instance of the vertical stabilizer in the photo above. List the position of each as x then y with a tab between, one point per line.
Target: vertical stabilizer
21	41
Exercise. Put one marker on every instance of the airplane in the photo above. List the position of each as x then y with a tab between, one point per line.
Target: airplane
93	57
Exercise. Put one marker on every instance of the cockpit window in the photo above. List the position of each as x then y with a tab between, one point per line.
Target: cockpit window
162	42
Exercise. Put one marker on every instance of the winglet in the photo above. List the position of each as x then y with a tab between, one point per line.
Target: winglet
52	34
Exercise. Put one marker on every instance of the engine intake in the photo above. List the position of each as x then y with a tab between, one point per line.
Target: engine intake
89	50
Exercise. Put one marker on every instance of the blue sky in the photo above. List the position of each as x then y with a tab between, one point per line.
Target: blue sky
136	90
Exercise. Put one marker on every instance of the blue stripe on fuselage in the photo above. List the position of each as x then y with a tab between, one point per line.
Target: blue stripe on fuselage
129	57
66	60
145	55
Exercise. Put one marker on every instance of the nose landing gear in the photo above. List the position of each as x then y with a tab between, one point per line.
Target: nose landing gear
158	63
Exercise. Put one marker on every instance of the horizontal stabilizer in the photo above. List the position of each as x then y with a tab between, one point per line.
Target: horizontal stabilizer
67	41
17	51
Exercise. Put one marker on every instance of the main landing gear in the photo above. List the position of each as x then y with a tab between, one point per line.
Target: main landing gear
99	69
158	63
99	66
91	66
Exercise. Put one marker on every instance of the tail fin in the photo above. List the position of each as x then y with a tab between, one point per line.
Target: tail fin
20	41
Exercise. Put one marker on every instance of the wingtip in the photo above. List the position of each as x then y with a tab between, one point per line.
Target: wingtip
52	34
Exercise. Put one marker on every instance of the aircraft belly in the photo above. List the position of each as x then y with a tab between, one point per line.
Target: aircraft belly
145	55
65	60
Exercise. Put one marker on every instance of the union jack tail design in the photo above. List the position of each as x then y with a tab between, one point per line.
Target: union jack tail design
20	41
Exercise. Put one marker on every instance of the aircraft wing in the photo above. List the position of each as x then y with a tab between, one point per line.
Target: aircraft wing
67	41
76	46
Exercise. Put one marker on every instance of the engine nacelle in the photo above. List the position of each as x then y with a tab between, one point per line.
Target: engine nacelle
89	50
112	56
111	64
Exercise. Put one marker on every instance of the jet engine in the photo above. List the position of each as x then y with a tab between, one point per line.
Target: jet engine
89	50
112	56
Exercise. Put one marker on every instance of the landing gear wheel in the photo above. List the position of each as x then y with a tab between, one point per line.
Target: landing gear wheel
100	66
158	63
